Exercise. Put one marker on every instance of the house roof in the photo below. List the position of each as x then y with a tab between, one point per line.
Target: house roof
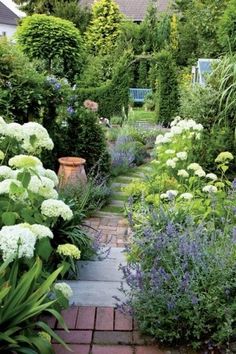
134	9
7	16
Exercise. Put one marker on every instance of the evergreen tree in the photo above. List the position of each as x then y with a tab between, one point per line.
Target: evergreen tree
104	29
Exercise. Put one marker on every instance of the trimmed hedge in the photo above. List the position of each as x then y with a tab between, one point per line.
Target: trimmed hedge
167	94
113	96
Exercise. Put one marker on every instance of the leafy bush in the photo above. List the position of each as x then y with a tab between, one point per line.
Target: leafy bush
58	44
167	97
22	302
149	102
227	29
84	137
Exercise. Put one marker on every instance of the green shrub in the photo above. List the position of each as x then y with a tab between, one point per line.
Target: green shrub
21	86
84	137
167	96
58	44
227	27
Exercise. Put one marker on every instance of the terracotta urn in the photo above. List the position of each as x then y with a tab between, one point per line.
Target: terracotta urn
71	171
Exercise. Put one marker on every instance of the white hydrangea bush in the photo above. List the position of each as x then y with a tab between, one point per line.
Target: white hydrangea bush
174	159
29	202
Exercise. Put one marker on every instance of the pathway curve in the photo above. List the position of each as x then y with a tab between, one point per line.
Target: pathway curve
96	327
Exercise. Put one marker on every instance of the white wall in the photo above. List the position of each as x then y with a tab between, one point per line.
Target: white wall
8	29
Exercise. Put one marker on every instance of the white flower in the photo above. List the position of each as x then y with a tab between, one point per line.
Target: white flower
164	196
24	161
200	173
14	130
183	173
6	184
176	130
175	121
212	176
65	289
17	240
41	231
41	137
209	189
172	193
6	172
182	155
224	156
171	163
170	152
187	196
52	175
194	166
43	186
54	208
162	139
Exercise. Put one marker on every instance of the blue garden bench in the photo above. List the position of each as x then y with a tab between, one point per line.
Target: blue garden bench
138	94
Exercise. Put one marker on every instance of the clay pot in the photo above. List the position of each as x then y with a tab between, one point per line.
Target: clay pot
71	171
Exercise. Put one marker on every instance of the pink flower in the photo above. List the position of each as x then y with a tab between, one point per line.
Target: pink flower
93	106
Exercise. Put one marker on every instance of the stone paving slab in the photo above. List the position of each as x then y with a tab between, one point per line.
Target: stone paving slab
95	293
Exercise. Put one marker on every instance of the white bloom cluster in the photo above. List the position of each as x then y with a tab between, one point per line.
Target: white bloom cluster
33	136
43	186
42	139
178	126
183	173
6	172
182	155
200	173
194	166
224	156
212	176
169	152
6	184
40	231
18	241
187	196
171	162
209	189
65	289
169	194
54	208
24	161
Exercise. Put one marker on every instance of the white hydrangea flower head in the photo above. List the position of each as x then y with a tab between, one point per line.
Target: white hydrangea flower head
172	193
164	196
162	139
2	155
176	130
17	241
41	231
52	175
194	166
24	161
209	189
6	172
69	250
42	138
53	208
200	173
224	156
186	196
14	130
175	121
212	176
6	184
65	289
183	173
182	155
171	163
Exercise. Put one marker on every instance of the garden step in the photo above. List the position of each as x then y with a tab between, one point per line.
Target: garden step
118	184
95	293
119	203
103	270
108	214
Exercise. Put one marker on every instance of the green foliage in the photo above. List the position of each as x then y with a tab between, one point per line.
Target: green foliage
22	302
74	12
84	137
21	86
167	100
113	96
104	29
227	28
58	44
35	6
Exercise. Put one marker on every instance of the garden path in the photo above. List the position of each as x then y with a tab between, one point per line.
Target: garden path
96	327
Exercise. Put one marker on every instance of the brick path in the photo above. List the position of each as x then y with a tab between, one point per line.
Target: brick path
102	330
113	230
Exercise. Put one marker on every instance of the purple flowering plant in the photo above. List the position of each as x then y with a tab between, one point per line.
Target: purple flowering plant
181	278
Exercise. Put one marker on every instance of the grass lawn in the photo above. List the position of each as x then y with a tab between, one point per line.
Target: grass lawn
139	114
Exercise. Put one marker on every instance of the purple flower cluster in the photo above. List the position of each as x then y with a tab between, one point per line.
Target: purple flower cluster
54	82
